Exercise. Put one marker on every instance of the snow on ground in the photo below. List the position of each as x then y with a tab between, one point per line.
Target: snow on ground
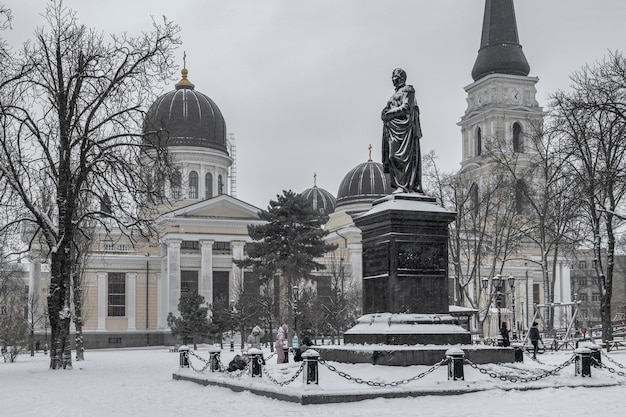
138	383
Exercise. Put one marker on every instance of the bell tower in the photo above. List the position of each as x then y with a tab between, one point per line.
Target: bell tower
502	111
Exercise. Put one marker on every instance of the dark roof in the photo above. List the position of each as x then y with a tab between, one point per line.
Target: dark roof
322	202
500	51
188	117
364	183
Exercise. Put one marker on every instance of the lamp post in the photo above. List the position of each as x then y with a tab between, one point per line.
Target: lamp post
295	314
511	280
495	291
147	298
45	326
232	325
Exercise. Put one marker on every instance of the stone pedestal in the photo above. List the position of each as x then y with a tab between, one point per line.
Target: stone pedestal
405	274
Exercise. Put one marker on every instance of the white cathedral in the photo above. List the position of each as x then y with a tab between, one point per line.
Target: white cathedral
129	290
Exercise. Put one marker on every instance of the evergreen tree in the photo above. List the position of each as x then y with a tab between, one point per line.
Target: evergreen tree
287	244
193	321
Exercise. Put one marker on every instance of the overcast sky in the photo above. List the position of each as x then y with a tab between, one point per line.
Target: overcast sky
301	83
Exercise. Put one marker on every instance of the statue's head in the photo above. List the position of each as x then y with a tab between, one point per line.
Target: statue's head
398	76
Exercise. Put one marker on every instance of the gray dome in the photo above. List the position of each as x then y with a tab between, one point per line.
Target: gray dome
322	202
189	118
364	183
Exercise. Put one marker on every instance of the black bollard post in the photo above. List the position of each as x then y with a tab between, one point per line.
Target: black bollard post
256	362
184	356
596	355
311	360
455	357
583	362
214	358
519	351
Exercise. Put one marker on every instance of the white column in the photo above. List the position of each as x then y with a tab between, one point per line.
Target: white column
206	270
173	273
35	301
356	264
102	300
132	300
237	247
163	294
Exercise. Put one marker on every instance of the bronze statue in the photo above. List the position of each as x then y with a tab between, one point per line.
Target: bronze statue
402	157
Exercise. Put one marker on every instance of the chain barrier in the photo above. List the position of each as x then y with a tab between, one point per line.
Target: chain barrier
509	378
612	360
611	370
382	384
206	362
283	383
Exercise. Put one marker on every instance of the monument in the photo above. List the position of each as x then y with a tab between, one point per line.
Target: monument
405	243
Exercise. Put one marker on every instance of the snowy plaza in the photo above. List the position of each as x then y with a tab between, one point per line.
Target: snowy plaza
139	382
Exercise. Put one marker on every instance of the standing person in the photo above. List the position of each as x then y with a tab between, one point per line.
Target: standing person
504	331
534	337
280	343
255	337
402	131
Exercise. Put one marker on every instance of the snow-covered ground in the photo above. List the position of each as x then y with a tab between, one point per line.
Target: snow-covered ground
138	382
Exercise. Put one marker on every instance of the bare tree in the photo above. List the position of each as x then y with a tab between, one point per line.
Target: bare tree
545	198
482	238
71	117
591	122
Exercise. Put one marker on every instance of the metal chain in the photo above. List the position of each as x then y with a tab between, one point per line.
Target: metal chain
382	384
283	383
206	363
612	360
611	370
555	371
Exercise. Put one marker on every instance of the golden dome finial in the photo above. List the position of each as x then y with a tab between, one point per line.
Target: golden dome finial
369	148
184	82
314	179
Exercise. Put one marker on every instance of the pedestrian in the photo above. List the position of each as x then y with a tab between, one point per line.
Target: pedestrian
255	337
504	332
238	363
280	343
306	343
534	337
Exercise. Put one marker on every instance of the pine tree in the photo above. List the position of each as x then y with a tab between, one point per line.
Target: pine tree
194	319
287	244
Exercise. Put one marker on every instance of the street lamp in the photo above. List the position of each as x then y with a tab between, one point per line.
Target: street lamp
295	312
232	325
511	280
45	326
496	292
147	299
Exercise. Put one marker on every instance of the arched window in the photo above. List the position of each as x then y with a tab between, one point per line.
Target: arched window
220	185
193	185
175	184
521	193
479	142
518	144
208	186
474	203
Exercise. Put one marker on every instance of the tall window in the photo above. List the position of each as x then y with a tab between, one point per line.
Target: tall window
521	192
479	141
518	144
220	185
474	200
176	184
208	185
193	185
117	294
189	281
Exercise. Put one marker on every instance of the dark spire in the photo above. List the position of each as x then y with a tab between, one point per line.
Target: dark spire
500	51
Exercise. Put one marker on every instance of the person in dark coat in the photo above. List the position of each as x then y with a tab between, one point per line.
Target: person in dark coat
306	343
534	337
504	332
238	363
